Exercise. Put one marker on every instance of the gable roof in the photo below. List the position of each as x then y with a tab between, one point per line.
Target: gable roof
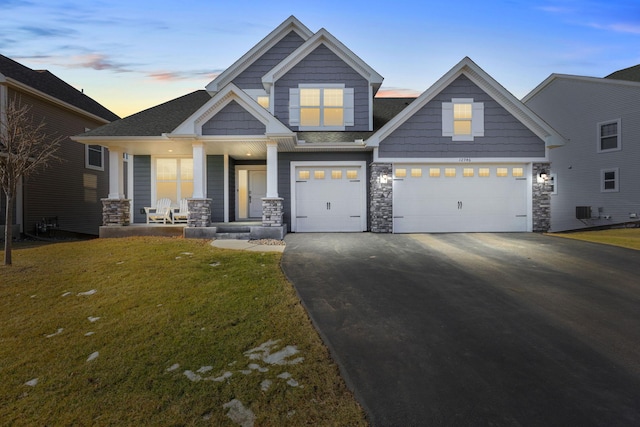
489	85
154	121
45	83
631	74
323	37
192	125
290	24
591	80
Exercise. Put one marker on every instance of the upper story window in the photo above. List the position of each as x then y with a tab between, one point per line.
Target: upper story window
321	107
263	100
94	157
462	119
609	136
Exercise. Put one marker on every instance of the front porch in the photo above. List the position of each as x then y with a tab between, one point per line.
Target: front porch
245	230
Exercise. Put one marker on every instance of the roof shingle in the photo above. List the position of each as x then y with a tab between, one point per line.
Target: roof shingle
46	82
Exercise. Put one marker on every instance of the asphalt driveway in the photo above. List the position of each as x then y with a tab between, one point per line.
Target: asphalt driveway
477	329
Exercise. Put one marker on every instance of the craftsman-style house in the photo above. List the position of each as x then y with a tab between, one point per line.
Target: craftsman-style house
292	135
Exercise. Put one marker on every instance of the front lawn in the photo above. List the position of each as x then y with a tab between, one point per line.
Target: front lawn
624	237
160	331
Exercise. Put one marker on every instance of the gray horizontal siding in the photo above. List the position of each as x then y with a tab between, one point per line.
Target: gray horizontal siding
421	134
251	78
233	120
574	108
323	66
284	173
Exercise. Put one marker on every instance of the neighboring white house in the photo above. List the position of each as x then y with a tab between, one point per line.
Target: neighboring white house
292	134
596	174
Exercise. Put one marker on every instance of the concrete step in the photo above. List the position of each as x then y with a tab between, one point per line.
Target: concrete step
231	236
230	228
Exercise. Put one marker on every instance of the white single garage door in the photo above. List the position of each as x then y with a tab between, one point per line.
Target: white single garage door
329	198
460	198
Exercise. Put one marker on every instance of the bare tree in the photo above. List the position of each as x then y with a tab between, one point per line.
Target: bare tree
25	148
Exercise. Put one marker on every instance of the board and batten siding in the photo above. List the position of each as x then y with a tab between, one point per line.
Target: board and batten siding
233	120
421	135
322	66
574	107
66	190
251	78
215	186
141	187
284	173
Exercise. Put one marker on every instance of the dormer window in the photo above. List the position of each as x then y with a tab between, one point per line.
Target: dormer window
321	107
462	119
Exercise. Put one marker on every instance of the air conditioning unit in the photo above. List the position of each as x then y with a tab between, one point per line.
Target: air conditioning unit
583	212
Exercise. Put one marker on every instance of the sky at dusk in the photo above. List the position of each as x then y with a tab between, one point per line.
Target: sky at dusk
133	54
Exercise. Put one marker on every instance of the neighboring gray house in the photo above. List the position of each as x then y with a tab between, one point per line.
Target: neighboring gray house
66	194
596	174
292	135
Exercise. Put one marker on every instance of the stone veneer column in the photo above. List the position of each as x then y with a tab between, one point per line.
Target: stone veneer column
115	212
199	213
272	213
541	199
381	206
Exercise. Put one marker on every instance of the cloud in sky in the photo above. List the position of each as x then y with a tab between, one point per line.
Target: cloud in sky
46	32
172	76
618	17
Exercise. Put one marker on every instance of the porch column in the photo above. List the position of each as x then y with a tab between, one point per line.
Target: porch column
272	169
116	173
199	170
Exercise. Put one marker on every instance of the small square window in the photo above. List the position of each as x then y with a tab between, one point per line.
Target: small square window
450	172
318	174
352	174
517	172
416	172
434	172
401	173
467	172
484	172
304	174
263	101
336	174
502	172
609	179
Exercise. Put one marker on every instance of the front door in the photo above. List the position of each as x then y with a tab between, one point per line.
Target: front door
257	191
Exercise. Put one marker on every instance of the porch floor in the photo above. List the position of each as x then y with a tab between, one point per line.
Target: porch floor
164	230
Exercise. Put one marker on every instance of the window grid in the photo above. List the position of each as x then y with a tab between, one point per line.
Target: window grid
467	172
401	173
321	107
434	172
416	172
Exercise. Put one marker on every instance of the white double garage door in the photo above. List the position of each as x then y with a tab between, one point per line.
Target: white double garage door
433	198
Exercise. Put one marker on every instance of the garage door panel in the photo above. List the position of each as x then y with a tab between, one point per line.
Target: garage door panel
463	201
330	200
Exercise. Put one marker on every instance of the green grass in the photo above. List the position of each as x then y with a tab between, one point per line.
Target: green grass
160	302
624	237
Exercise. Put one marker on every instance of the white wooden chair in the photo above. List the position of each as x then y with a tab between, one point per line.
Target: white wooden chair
161	213
181	215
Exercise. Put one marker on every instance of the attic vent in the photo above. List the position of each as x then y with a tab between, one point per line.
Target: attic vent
583	212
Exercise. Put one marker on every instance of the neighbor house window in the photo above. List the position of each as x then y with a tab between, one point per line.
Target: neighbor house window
609	180
174	179
94	157
609	136
321	107
462	119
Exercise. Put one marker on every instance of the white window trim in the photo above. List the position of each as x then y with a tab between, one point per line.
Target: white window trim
617	180
86	158
599	137
154	178
477	119
347	106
